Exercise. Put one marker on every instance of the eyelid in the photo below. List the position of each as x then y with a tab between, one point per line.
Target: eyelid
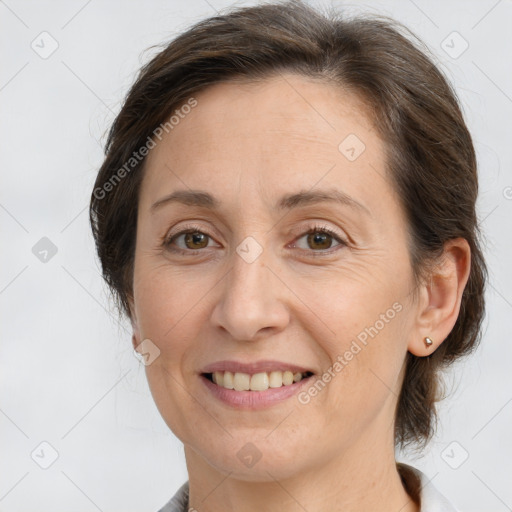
316	225
185	227
182	230
319	227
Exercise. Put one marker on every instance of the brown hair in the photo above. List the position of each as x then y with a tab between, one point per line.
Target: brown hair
430	155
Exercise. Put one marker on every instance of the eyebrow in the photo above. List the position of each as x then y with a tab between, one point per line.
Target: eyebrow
203	199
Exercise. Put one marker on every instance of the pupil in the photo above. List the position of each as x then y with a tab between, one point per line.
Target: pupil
196	238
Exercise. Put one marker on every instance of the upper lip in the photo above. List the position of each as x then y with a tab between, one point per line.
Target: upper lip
252	368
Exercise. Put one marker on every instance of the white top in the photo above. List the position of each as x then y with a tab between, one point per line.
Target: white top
431	500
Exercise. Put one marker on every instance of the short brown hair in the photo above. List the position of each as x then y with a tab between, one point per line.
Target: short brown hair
430	154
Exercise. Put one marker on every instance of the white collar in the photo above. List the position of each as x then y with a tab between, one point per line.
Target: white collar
431	500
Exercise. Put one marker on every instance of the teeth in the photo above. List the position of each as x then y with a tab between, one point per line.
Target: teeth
259	382
275	379
242	381
218	378
256	382
287	378
228	380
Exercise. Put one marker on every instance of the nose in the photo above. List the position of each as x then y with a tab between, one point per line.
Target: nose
252	303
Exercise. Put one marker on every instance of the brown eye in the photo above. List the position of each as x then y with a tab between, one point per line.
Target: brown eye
188	241
196	240
319	240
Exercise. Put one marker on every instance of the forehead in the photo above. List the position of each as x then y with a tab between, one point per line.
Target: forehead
268	136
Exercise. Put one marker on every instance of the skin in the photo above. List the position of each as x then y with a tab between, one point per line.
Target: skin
248	144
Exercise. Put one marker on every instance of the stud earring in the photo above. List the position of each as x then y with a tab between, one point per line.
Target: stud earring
428	342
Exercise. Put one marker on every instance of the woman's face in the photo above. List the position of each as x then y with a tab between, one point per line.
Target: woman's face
252	286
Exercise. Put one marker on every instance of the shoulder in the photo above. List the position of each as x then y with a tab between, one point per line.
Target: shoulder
418	484
179	502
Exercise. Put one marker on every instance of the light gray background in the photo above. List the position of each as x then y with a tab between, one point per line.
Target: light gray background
68	373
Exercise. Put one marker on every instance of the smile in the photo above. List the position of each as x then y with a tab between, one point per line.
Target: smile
261	381
244	391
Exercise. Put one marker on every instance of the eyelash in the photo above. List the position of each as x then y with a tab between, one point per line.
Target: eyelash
167	243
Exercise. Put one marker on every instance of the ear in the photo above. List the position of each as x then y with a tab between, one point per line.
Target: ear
136	339
439	304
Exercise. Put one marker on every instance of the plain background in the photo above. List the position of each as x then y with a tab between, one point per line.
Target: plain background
68	374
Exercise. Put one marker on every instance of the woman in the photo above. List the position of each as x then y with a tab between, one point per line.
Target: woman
286	214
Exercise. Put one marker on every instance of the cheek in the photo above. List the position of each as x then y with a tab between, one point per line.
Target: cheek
362	385
363	308
166	300
366	344
170	314
170	396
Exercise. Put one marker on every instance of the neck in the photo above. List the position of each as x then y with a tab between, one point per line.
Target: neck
361	479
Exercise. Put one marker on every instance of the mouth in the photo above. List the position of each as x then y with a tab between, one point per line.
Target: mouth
254	385
256	382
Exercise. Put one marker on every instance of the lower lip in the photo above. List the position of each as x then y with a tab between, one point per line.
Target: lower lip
254	400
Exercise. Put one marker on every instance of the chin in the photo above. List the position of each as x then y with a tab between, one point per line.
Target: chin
259	460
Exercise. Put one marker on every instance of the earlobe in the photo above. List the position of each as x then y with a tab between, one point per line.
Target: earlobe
441	298
135	326
135	341
423	348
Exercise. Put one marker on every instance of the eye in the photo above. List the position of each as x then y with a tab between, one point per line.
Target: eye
320	239
193	240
